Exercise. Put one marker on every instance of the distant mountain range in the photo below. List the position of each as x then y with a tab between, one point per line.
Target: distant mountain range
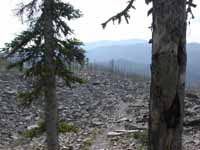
137	54
97	44
137	51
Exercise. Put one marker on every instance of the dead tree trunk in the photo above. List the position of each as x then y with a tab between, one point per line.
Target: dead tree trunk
168	71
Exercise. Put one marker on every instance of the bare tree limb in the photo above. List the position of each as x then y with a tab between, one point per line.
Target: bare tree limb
189	8
124	13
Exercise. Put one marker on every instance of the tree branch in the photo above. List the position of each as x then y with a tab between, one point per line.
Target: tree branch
30	8
189	8
124	13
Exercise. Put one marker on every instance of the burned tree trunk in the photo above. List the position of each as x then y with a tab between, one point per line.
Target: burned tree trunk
168	71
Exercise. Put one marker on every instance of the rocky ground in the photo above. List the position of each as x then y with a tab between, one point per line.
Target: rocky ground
109	111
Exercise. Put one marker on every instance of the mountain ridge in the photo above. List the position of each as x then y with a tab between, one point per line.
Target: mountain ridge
139	52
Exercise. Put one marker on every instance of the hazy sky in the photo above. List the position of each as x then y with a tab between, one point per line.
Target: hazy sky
88	28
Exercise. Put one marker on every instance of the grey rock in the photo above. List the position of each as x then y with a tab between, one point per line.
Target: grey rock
106	106
32	126
112	133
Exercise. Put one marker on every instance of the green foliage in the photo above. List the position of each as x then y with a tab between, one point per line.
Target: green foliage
34	132
87	144
141	147
64	127
141	136
30	133
26	98
85	148
41	125
29	46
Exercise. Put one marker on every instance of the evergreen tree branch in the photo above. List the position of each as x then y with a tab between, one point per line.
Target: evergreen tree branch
66	11
29	8
19	42
27	97
124	13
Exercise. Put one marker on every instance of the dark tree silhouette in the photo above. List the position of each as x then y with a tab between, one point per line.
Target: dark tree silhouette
48	49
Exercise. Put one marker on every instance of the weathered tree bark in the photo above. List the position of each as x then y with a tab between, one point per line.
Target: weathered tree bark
168	71
51	115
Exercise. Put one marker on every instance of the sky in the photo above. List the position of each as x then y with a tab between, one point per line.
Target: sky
88	28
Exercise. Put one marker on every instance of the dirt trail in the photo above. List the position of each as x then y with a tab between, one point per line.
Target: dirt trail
102	141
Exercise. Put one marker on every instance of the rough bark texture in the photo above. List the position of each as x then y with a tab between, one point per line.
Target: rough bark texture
49	79
168	74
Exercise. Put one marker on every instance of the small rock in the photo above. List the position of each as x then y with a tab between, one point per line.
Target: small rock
191	95
114	133
96	122
28	118
10	91
123	119
82	103
126	131
96	82
32	126
67	148
14	136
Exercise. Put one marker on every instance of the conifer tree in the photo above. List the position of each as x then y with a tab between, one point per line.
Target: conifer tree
48	48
